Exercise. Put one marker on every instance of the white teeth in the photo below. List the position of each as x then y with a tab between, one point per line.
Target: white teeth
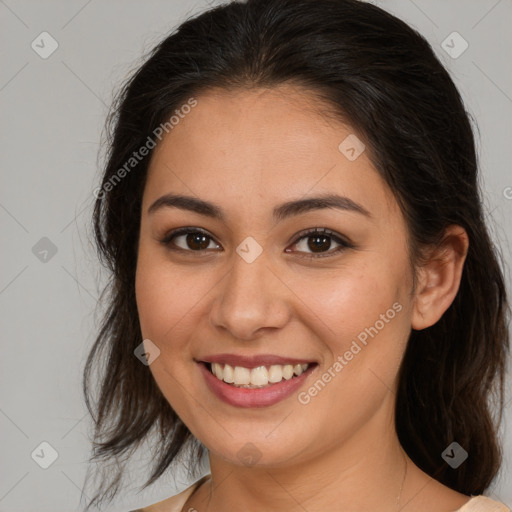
287	371
297	369
229	374
217	370
242	375
275	374
257	377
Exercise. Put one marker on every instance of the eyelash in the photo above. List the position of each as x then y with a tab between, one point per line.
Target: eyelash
344	244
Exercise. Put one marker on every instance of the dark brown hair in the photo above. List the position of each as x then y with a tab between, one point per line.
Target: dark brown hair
382	77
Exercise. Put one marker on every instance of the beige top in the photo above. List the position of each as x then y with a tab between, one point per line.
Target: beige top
175	504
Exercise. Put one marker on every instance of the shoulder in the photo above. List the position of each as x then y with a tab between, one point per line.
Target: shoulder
174	503
483	504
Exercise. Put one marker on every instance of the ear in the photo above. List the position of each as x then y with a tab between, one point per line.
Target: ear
439	278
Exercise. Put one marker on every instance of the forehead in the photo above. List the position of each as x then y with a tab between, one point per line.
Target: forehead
262	146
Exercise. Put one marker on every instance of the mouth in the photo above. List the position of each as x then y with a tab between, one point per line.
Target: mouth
254	381
258	377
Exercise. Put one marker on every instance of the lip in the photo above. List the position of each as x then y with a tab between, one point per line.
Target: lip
257	397
252	361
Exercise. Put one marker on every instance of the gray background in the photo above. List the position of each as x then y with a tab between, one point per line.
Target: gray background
53	111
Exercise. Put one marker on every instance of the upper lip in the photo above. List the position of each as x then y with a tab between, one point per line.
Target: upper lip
252	361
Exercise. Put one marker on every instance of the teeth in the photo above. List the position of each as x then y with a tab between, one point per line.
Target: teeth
242	375
229	374
217	370
287	371
275	373
258	377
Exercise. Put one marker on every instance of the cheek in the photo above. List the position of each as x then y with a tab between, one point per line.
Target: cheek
165	297
362	314
151	299
350	299
165	303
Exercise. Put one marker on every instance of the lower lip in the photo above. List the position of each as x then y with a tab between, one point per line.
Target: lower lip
256	397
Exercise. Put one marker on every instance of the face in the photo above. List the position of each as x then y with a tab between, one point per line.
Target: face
236	275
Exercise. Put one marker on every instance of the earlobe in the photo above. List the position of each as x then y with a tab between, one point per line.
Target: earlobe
439	278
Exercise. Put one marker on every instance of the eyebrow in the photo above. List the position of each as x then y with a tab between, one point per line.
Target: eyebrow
280	212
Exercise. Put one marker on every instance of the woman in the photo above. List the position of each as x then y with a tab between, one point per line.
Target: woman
303	286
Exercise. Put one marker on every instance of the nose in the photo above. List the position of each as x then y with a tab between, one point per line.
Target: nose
251	300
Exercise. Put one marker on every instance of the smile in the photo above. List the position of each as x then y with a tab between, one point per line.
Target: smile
259	381
259	377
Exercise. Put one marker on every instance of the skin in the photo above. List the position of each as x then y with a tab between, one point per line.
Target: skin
248	151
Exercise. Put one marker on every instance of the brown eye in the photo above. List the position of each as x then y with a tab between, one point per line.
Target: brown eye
318	243
315	243
188	239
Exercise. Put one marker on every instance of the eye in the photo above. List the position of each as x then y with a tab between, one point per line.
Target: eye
188	239
319	241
